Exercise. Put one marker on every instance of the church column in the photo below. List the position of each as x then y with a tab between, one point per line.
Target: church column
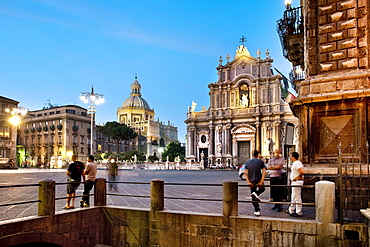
276	133
211	139
227	103
227	132
258	135
191	141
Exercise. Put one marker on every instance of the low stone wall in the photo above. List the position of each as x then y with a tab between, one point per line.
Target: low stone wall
120	226
116	226
75	228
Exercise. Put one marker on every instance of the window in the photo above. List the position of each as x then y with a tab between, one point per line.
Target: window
51	113
39	115
70	111
83	114
99	147
57	112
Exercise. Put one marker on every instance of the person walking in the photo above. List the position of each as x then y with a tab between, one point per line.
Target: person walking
90	172
276	165
112	175
255	172
75	171
296	178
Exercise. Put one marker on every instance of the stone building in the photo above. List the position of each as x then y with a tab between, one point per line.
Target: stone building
247	112
52	135
329	42
8	132
152	134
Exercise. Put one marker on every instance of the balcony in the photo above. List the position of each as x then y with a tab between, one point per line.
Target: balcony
291	31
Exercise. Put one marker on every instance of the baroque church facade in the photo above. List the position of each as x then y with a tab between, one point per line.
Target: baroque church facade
247	112
153	135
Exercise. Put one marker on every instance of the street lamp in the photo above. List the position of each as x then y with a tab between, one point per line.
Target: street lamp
94	99
15	120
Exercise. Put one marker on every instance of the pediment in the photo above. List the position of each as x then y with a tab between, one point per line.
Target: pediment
244	129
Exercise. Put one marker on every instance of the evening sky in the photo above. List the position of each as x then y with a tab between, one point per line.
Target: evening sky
52	50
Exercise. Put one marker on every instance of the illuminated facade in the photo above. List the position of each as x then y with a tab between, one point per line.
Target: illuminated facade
52	135
8	132
247	111
136	113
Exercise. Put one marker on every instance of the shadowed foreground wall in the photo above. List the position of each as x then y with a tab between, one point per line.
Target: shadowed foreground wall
117	226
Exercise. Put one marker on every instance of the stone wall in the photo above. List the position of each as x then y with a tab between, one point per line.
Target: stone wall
118	226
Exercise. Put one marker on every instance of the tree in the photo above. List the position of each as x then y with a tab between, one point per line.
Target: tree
117	132
173	150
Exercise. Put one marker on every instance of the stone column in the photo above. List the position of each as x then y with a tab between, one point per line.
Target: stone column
211	140
46	206
324	201
156	195
258	136
100	192
230	199
228	144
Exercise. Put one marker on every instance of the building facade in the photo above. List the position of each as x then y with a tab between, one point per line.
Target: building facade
52	135
8	132
329	42
247	112
152	134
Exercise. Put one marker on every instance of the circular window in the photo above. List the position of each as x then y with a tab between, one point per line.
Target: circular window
203	139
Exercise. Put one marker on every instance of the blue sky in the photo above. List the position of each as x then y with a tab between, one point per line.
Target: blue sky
56	49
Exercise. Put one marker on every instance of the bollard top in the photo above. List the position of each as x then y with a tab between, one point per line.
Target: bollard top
230	182
46	181
156	180
324	182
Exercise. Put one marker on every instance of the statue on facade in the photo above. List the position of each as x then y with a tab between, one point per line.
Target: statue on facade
193	106
201	156
244	101
219	147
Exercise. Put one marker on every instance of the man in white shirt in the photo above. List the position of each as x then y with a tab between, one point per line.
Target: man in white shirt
296	178
90	173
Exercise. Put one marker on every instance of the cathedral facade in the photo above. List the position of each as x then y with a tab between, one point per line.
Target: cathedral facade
247	112
153	135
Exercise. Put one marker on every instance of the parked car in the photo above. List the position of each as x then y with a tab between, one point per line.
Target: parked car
242	169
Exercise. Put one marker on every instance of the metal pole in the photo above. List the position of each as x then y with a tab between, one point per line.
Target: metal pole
92	131
340	185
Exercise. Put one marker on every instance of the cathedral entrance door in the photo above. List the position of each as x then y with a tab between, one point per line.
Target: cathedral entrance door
244	151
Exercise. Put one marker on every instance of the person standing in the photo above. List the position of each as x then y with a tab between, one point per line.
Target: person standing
255	172
112	175
90	172
75	171
276	165
296	178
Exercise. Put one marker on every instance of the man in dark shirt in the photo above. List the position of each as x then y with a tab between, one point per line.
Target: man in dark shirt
255	172
75	171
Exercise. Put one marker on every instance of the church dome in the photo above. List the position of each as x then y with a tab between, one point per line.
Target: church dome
135	99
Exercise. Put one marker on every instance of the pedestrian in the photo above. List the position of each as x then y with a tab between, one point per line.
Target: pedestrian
296	178
112	175
90	173
276	165
75	171
255	172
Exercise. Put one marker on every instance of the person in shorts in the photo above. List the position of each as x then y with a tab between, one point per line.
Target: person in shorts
75	171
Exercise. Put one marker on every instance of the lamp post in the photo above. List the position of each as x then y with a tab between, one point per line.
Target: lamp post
15	120
94	99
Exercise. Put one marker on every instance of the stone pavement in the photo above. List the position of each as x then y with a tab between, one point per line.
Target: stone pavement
32	176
